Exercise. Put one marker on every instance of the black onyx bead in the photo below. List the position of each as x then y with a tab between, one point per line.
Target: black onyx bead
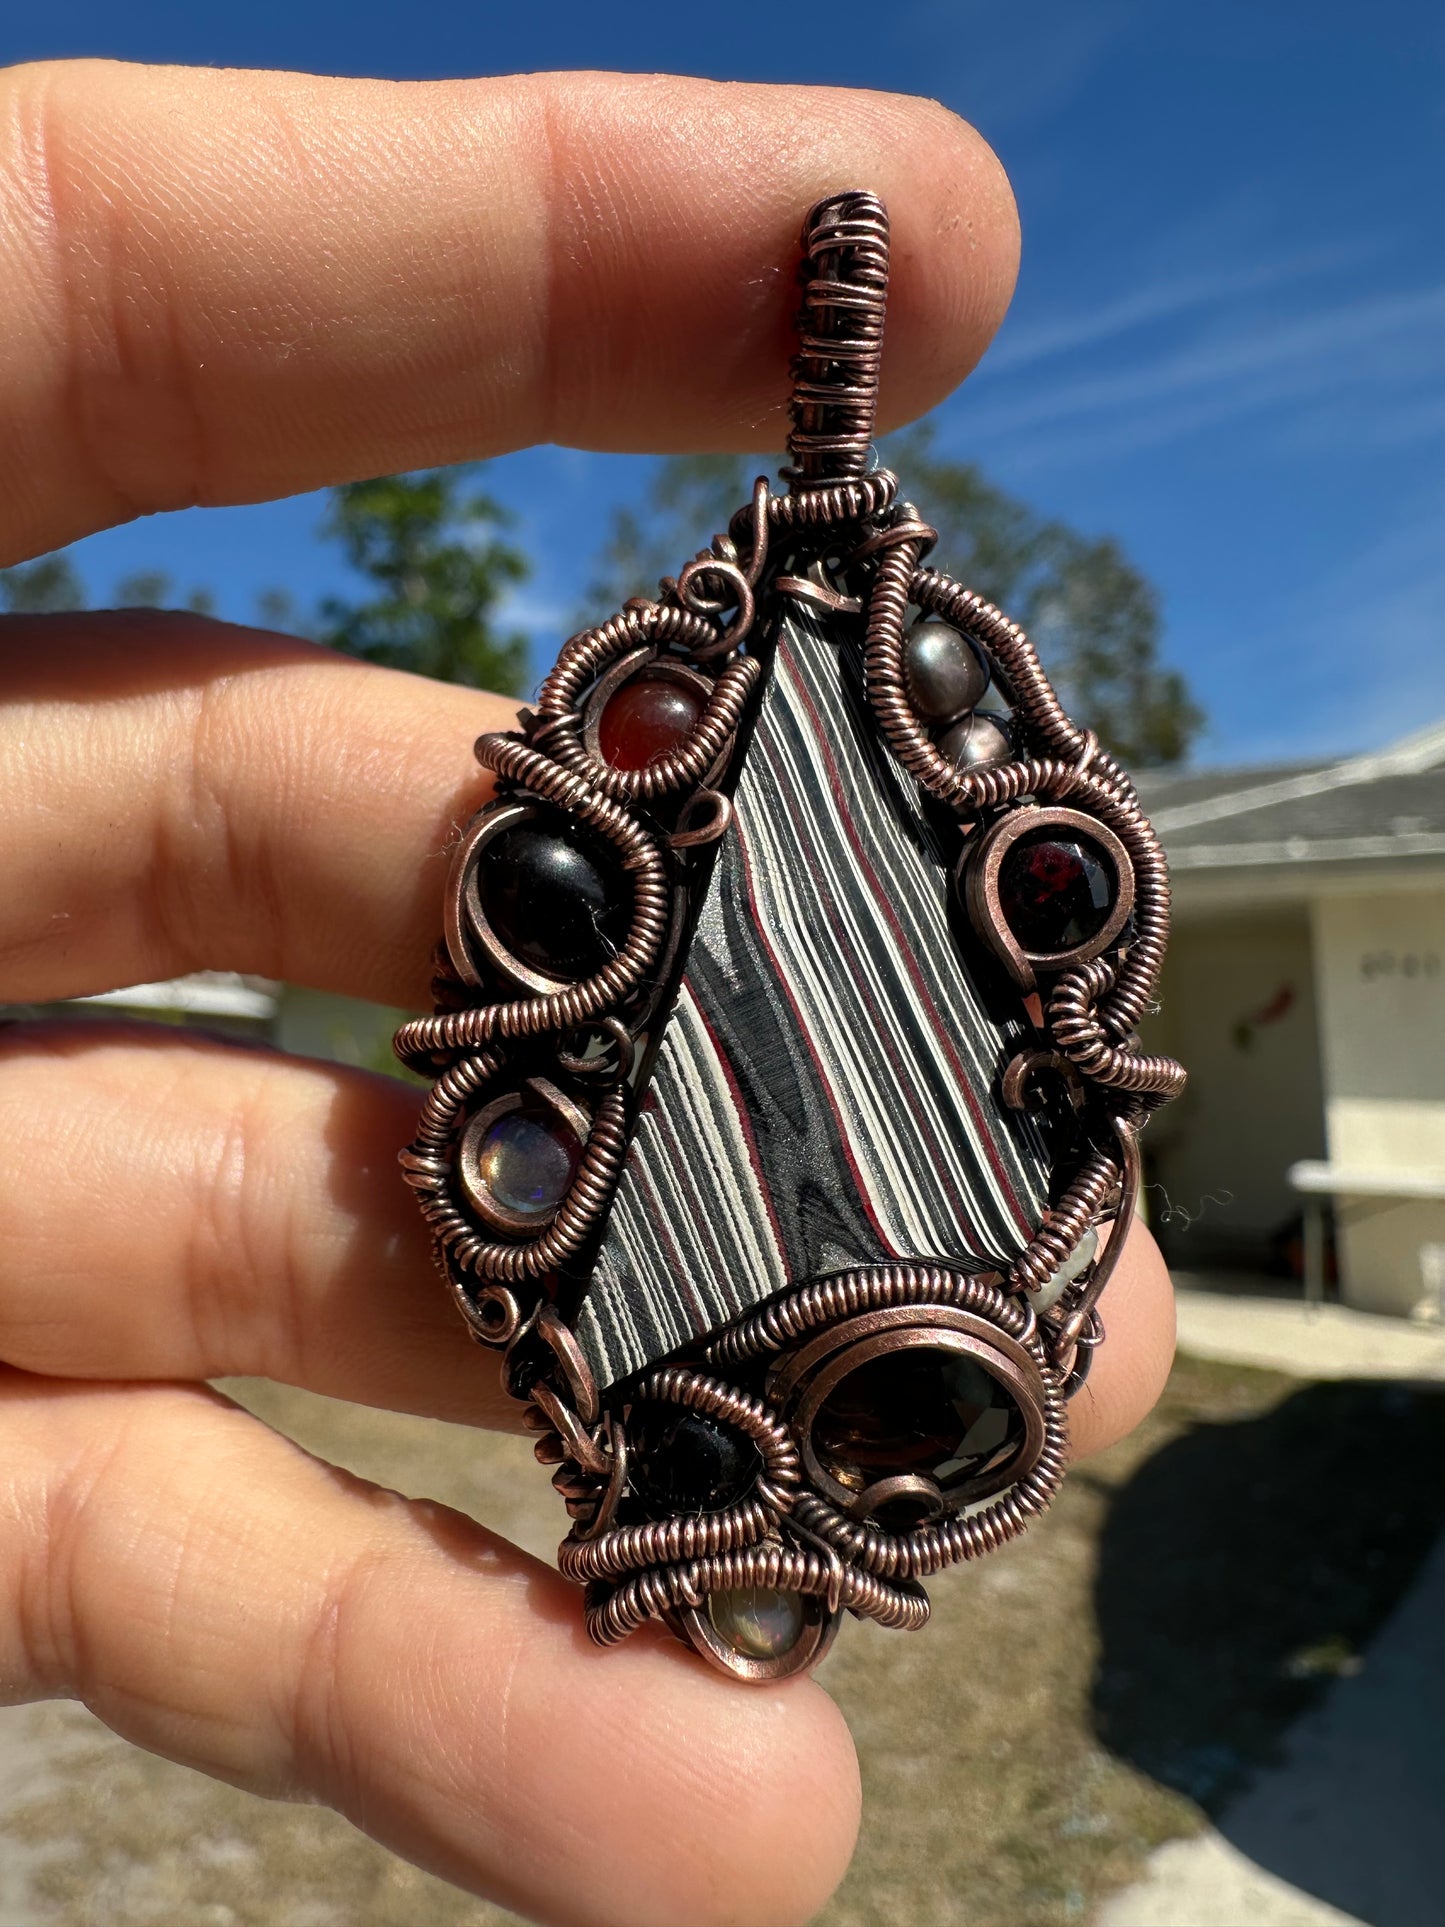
556	898
1055	891
684	1462
978	742
944	671
923	1411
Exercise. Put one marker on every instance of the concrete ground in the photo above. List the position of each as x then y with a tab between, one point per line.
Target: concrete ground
1343	1830
1020	1792
1281	1333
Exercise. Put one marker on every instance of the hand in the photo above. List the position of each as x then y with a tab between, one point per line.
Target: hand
220	287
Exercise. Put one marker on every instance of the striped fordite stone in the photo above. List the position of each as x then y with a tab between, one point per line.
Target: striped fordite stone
823	1094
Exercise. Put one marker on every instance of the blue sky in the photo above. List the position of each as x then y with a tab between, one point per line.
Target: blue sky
1227	348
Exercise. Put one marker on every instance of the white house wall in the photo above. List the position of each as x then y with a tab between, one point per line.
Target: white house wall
1381	985
1239	1011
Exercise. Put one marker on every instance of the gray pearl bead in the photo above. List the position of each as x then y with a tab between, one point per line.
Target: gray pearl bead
944	671
978	742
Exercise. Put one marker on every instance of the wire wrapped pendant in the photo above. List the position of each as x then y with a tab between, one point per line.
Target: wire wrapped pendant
784	1054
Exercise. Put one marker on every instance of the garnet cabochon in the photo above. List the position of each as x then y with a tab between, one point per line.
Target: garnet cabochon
647	718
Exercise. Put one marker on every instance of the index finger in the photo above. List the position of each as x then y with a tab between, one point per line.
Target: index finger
221	287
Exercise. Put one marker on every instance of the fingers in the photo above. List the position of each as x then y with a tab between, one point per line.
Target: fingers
185	1209
219	1597
1130	1367
221	287
182	795
197	1210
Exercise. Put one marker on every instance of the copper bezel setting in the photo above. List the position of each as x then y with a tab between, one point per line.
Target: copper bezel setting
474	1189
803	1382
465	920
638	664
820	1627
980	867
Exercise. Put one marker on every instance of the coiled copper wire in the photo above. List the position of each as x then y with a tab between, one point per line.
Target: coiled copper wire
929	1548
1101	1004
679	768
828	1301
827	505
612	1614
431	1176
566	1009
1082	1204
840	340
778	1326
1082	1034
693	1535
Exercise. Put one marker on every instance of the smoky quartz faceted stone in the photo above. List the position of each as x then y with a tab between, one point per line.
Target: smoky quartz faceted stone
920	1410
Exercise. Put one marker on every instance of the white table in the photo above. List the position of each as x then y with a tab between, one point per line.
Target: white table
1315	1181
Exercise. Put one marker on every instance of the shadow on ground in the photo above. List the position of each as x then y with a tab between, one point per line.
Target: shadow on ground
1242	1572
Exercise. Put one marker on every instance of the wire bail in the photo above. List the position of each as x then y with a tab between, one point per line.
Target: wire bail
840	341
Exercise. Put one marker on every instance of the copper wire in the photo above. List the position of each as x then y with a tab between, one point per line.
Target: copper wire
612	1614
828	1301
691	1535
839	509
567	1009
840	340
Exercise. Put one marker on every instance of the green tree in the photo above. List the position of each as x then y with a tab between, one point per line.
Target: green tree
1093	616
435	550
50	586
153	589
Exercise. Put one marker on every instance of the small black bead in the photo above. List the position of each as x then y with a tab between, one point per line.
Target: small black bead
556	898
684	1462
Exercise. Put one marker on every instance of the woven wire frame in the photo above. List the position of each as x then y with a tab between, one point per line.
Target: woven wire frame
840	540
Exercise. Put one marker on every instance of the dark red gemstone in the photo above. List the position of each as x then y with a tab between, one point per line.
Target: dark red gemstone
919	1410
645	718
1055	891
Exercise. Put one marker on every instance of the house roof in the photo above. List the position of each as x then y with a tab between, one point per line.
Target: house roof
1386	806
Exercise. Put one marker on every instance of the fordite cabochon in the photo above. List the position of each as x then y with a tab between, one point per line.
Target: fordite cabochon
784	1059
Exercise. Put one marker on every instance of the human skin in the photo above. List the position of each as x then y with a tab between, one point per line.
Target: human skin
223	287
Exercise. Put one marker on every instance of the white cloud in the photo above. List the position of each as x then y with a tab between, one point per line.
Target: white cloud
1365	359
